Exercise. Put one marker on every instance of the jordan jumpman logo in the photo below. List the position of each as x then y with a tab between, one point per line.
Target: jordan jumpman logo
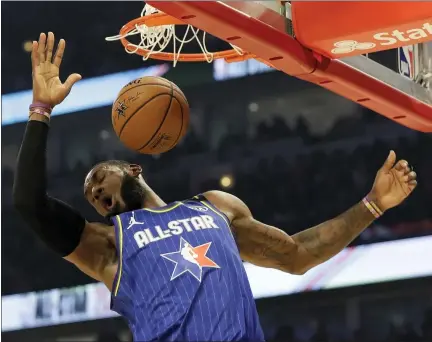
133	222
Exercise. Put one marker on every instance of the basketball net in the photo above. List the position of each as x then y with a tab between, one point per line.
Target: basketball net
155	37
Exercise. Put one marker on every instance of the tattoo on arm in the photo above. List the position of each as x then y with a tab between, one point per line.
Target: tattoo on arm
327	239
264	245
267	246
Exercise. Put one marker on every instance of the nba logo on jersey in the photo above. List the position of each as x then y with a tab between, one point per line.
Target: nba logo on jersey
197	207
407	61
190	259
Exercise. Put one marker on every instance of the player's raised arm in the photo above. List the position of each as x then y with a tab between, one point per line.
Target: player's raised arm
56	223
267	246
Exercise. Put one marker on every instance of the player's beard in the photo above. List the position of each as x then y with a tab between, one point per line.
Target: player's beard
133	195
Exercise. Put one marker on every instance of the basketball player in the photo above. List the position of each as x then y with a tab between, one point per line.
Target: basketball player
174	270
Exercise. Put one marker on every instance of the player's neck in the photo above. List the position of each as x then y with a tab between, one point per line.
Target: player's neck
153	200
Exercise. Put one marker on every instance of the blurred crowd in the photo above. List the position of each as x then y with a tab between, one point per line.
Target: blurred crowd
313	188
394	330
400	330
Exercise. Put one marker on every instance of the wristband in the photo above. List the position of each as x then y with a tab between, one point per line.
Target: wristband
40	111
40	105
375	206
372	207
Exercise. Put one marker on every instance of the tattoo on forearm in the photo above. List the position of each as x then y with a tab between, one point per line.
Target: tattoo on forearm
329	238
267	246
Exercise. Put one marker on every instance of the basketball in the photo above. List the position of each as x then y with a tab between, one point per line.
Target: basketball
150	115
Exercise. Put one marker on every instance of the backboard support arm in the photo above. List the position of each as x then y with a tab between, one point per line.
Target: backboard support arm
357	78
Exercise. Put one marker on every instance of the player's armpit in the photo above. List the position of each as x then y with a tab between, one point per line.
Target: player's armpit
96	252
258	243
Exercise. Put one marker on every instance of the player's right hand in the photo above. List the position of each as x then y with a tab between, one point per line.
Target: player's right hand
47	87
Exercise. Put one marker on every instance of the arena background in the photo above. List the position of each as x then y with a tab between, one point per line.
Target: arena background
295	153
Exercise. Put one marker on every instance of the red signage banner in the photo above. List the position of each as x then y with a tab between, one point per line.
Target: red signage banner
341	28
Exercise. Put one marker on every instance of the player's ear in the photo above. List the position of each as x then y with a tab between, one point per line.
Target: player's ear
135	170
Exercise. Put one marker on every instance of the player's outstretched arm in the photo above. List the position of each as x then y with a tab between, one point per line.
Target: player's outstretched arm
267	246
56	223
62	228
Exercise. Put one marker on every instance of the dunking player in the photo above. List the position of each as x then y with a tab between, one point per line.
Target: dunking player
174	270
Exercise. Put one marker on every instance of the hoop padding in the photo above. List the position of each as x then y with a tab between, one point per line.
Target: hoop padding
158	29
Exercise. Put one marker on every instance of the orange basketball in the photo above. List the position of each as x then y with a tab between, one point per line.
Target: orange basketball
150	115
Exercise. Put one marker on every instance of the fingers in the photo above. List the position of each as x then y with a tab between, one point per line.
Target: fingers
408	180
49	46
412	180
71	80
45	48
406	174
34	55
409	177
412	184
402	165
59	53
390	161
41	47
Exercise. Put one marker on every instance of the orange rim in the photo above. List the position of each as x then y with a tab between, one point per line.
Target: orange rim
159	19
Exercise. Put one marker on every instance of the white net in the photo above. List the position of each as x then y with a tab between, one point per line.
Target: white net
156	39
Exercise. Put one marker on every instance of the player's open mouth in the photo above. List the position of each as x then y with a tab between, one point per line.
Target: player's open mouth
107	202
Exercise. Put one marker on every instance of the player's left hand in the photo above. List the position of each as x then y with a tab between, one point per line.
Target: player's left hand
393	183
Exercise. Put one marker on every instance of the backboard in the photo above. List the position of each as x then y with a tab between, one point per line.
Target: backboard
281	34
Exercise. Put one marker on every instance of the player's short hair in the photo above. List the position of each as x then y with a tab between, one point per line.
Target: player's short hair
120	163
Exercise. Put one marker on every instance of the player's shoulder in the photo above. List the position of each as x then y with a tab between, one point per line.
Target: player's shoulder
217	195
232	206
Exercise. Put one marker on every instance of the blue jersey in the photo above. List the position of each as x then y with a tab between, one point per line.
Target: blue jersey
180	276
